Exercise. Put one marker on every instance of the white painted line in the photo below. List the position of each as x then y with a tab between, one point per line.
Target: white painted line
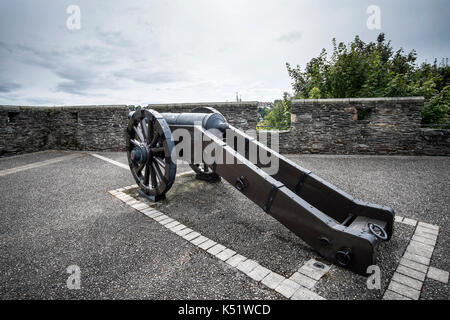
116	163
127	167
38	164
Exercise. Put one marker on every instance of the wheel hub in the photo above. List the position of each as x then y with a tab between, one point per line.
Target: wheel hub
139	155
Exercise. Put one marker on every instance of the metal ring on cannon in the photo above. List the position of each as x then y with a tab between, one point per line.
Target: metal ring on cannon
378	231
149	150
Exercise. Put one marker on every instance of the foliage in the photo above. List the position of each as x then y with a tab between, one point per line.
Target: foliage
279	118
374	69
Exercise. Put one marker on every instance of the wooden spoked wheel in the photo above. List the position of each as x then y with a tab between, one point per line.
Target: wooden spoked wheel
149	150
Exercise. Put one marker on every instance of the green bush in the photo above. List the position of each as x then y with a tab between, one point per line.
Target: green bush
374	69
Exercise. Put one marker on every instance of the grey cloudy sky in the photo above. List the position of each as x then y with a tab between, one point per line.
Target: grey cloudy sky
139	52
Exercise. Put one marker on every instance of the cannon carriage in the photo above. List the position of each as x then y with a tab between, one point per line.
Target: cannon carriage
342	229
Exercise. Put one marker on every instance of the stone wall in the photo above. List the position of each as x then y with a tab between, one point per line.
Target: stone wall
327	126
355	126
30	129
435	142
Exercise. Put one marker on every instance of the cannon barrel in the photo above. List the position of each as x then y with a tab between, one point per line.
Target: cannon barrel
206	120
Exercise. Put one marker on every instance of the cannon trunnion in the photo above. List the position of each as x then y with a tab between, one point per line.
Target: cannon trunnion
342	229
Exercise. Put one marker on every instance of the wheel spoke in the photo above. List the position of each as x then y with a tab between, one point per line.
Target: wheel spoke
154	139
159	173
139	133
144	126
146	174
136	143
157	150
160	162
153	175
139	168
151	132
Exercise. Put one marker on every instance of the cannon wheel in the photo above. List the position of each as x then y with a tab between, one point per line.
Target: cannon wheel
203	171
149	150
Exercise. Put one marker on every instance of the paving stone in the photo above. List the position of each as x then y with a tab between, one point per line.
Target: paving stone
155	214
247	266
411	273
161	217
407	281
417	258
419	251
414	265
303	280
272	280
410	222
429	226
192	235
225	254
305	294
140	206
421	245
426	235
216	249
259	273
312	271
424	240
171	224
398	219
426	230
207	244
183	232
178	228
404	290
438	274
165	221
235	260
391	295
148	210
287	288
199	240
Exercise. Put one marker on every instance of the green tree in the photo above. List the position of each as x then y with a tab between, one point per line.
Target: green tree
374	69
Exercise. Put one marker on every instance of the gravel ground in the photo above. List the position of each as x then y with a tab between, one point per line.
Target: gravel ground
61	214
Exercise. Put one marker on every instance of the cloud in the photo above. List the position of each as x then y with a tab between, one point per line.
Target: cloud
290	37
143	75
8	86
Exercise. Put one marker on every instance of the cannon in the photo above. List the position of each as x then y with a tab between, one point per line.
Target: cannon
343	230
